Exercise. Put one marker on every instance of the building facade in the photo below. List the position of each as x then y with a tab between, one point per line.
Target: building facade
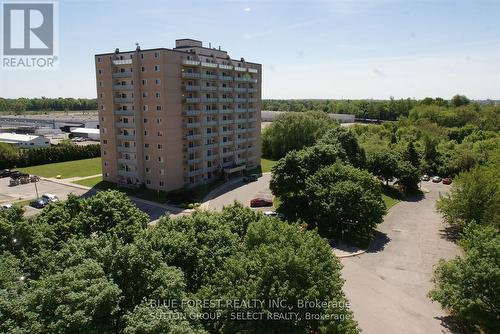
24	141
173	118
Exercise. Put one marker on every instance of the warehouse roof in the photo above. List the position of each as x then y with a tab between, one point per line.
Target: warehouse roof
16	137
85	130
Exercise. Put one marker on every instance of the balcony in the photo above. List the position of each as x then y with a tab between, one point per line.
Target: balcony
252	90
122	62
241	120
228	164
124	112
210	169
208	88
225	78
193	137
209	123
241	130
193	149
127	161
125	125
213	145
227	154
192	112
125	137
194	172
225	67
252	80
227	132
225	89
240	79
252	99
226	100
211	112
193	161
123	87
241	140
226	111
241	150
211	65
189	62
240	90
124	172
209	76
240	69
191	75
227	143
192	100
208	100
240	99
253	119
227	121
123	99
122	74
251	110
193	125
240	110
210	135
191	88
125	149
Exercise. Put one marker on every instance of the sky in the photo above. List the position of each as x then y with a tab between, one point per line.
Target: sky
343	49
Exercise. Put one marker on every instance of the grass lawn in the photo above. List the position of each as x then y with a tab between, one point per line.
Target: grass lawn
85	167
267	164
391	196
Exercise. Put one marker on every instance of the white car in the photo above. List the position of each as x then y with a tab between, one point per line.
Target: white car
50	197
274	214
6	206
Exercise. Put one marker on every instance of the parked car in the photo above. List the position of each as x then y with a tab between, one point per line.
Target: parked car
447	180
426	177
4	173
50	197
39	203
274	214
250	178
5	206
14	182
260	202
34	178
436	179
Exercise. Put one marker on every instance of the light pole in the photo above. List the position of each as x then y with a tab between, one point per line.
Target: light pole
36	190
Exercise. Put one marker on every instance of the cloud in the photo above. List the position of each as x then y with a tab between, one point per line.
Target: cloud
247	9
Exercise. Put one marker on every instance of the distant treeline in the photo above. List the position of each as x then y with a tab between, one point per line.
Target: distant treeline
376	109
11	156
47	104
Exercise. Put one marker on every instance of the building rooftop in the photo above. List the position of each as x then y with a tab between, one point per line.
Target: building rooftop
16	137
85	130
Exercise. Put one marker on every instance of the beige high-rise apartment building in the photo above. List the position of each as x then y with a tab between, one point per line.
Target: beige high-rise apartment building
173	118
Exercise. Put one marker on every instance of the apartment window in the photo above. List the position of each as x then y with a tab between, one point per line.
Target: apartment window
157	95
100	83
144	81
158	120
157	54
102	95
104	152
157	68
105	163
158	81
160	134
145	107
104	141
142	55
148	181
143	69
146	145
160	159
146	157
162	184
160	146
158	108
162	171
100	71
144	94
145	132
145	120
98	59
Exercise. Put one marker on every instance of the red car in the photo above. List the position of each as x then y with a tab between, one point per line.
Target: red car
446	180
259	201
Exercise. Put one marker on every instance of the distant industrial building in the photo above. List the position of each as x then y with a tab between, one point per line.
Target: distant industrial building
24	141
85	133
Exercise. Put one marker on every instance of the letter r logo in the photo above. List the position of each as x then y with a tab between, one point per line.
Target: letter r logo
28	28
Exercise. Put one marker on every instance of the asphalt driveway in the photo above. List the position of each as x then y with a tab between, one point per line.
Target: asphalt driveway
388	285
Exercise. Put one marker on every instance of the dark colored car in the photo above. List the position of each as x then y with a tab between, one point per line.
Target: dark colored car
6	173
39	203
436	179
447	180
260	202
250	178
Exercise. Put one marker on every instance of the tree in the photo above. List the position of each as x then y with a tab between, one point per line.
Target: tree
467	287
290	173
412	156
407	175
279	261
383	162
459	100
345	202
475	197
294	131
349	143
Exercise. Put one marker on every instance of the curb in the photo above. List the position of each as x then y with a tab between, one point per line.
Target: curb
349	255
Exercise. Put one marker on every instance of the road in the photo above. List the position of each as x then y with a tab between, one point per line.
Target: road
388	285
236	190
